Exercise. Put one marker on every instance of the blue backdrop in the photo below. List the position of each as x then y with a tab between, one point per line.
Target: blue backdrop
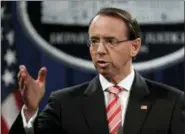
60	76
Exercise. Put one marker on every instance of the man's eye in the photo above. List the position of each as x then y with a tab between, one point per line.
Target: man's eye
110	41
94	41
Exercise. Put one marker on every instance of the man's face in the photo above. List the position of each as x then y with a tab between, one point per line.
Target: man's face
110	60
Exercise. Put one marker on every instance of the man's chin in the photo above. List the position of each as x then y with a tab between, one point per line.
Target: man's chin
104	72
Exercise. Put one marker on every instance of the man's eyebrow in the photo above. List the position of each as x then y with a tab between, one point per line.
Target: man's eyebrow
94	37
110	38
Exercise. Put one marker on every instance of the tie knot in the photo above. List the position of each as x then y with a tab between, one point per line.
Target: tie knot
115	89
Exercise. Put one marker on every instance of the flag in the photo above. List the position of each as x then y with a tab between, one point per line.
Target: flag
10	95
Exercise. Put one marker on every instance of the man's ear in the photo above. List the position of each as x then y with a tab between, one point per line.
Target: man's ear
136	44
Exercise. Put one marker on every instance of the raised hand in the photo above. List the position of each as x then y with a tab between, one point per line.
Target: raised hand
32	90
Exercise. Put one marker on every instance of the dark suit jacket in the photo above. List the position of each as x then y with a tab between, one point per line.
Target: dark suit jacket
81	110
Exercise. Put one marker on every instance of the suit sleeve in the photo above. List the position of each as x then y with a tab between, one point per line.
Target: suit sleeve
48	121
178	117
17	126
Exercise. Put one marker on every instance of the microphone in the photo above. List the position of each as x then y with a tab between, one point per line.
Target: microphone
120	130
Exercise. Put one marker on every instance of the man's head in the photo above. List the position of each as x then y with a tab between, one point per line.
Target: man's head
114	41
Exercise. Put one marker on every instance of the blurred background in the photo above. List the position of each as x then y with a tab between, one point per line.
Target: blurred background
54	35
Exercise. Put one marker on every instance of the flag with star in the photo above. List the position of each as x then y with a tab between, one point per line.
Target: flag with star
10	96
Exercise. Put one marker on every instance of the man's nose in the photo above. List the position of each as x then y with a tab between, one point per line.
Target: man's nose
101	48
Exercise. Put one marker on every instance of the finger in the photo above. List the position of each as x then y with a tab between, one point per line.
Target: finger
21	69
23	87
20	84
19	75
22	66
42	74
24	69
22	80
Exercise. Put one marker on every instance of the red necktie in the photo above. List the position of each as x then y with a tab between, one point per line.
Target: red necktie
114	109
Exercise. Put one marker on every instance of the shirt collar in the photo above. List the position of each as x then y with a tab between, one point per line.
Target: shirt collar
126	83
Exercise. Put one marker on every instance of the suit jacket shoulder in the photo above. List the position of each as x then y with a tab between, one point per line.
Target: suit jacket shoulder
76	90
163	89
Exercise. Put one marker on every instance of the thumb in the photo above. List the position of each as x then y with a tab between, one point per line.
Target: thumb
42	74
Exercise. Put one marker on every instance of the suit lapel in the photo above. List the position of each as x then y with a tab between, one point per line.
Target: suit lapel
94	108
138	106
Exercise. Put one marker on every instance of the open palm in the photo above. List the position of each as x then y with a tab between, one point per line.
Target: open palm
32	90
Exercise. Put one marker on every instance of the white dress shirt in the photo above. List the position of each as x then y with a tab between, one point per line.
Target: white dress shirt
28	126
126	83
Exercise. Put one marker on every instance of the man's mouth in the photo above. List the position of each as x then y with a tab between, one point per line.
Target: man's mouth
102	63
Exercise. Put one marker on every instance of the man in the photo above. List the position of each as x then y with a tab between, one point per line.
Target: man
118	100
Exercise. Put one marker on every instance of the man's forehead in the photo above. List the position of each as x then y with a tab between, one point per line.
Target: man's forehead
97	19
107	26
102	17
106	22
